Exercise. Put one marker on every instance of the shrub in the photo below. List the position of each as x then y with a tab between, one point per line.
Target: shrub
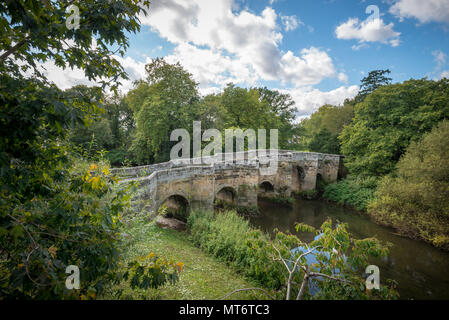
415	201
281	200
76	223
354	192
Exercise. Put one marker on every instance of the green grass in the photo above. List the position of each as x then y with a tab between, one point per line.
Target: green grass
203	277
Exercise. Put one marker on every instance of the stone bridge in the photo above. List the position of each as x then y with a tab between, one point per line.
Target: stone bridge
180	183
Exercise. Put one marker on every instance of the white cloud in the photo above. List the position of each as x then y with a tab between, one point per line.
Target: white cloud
219	44
290	23
309	69
343	77
441	60
64	79
210	67
423	10
359	46
225	37
68	78
374	30
308	100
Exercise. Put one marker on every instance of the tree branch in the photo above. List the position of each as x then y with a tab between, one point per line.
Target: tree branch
317	274
13	49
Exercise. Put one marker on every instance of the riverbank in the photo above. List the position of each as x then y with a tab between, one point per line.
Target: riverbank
202	278
418	267
407	216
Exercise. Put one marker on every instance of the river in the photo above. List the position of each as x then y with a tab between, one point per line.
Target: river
422	271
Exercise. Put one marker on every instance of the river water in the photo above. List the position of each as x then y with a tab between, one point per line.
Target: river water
422	271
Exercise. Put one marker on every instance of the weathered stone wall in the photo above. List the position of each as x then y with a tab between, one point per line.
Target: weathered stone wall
200	183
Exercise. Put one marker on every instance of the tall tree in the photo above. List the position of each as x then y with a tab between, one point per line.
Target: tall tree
283	106
372	82
169	101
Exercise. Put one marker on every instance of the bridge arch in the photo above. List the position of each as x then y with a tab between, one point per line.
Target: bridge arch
227	194
177	206
320	183
266	186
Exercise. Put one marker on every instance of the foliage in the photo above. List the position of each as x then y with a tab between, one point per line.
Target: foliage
388	120
321	130
35	31
223	205
352	191
168	102
229	238
202	278
279	199
82	230
57	210
415	199
325	142
152	272
168	99
283	106
372	82
338	260
110	129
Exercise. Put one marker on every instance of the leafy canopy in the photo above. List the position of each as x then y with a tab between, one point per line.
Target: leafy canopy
388	120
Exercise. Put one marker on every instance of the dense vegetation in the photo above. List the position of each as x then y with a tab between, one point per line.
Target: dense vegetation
354	191
59	208
415	199
380	132
231	239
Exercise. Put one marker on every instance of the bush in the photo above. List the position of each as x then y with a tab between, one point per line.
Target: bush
279	199
229	238
415	201
76	223
354	192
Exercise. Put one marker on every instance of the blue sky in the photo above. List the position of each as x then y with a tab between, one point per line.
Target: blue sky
316	50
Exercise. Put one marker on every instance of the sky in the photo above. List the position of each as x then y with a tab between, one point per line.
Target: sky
315	50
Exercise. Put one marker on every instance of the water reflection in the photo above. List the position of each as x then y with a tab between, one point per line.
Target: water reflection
421	270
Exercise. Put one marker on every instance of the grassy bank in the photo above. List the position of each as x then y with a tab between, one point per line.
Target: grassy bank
229	238
203	277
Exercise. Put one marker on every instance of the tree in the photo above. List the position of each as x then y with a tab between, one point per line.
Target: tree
388	120
36	31
325	142
321	130
56	210
372	82
282	105
332	263
169	101
414	199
